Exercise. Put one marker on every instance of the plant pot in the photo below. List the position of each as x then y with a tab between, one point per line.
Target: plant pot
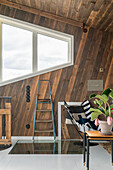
105	128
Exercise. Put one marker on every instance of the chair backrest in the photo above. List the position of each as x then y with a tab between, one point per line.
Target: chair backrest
86	106
81	114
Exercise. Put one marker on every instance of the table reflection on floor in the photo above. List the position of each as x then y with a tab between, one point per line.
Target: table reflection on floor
47	147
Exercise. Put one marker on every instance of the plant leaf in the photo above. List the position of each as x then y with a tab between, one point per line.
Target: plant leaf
95	110
101	102
111	94
101	109
107	112
92	95
98	102
103	97
95	115
107	91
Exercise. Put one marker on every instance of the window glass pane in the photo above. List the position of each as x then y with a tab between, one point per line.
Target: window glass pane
16	52
51	52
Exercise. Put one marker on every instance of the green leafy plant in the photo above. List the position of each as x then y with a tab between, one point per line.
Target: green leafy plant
102	103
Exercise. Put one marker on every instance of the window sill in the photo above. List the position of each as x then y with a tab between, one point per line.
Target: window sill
36	74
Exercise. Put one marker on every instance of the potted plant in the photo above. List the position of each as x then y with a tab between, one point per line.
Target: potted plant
102	113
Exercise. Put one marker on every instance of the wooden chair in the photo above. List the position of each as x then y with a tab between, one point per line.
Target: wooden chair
5	112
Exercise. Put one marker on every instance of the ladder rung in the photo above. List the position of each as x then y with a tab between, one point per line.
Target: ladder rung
44	102
44	121
39	131
43	99
44	110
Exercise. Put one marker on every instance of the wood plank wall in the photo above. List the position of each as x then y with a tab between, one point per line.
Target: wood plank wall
92	50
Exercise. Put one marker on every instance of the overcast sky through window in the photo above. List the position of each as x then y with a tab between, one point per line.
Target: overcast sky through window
17	52
51	52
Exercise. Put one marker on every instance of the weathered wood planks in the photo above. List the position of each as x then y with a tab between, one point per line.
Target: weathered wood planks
91	51
97	13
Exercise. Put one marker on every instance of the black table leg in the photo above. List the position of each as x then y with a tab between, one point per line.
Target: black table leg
112	151
87	165
84	144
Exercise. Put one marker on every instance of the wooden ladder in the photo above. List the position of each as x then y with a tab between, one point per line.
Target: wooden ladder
43	121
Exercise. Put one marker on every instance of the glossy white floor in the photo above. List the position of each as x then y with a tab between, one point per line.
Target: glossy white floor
99	160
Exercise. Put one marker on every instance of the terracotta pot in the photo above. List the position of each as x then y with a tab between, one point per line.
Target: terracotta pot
105	128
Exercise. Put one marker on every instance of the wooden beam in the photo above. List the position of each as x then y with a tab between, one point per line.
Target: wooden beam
41	13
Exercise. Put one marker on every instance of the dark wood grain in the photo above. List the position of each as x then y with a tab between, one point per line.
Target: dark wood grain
92	50
97	13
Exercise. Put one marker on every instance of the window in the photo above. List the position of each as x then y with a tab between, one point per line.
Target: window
51	52
27	50
16	52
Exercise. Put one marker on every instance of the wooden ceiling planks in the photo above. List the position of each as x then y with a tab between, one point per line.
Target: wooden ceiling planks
95	13
102	15
39	12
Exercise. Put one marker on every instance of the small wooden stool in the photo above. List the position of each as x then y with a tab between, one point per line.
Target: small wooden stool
95	136
7	113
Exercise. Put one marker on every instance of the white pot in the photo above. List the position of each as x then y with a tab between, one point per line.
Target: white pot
105	128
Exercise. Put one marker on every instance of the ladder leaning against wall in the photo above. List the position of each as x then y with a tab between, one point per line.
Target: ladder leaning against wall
45	111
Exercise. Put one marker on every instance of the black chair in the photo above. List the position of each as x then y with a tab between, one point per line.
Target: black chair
83	117
84	122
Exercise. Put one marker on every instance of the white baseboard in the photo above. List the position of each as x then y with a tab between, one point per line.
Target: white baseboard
35	138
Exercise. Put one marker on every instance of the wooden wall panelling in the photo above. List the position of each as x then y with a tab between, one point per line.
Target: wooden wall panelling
104	62
109	79
76	91
55	83
104	59
20	109
93	66
64	84
64	129
59	91
81	80
108	66
89	61
92	51
99	56
71	70
26	107
31	105
54	92
75	69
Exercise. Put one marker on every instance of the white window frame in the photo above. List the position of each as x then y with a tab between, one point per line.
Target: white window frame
35	29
